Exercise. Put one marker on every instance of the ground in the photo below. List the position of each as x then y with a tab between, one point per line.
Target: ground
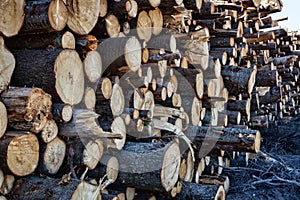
274	173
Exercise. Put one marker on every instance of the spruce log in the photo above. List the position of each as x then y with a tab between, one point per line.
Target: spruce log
136	171
239	80
157	20
12	15
242	106
93	66
83	15
19	153
44	16
123	8
228	139
50	70
27	107
7	64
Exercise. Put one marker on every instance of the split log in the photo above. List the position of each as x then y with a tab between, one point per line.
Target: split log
119	52
228	139
239	80
12	17
83	15
19	153
45	16
50	188
135	171
7	64
50	71
27	108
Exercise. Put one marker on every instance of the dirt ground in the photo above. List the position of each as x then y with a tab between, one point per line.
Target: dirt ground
275	171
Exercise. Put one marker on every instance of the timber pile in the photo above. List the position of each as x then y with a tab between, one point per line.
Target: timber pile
136	99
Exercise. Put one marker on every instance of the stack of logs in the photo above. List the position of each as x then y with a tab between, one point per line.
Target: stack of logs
137	99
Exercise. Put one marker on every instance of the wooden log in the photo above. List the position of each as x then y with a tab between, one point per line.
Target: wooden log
42	41
4	120
123	8
62	112
27	107
50	131
238	79
193	4
267	78
84	124
195	191
12	17
50	188
215	180
83	15
273	96
107	27
242	106
50	71
222	42
214	69
19	153
165	41
7	65
157	20
93	66
135	171
7	184
228	139
45	16
51	156
119	52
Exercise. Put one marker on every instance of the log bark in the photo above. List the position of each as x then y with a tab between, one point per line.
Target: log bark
7	65
228	139
27	107
50	71
135	171
19	153
243	106
44	16
83	15
238	80
12	17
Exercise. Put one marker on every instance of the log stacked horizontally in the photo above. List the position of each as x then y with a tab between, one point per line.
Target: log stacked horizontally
138	99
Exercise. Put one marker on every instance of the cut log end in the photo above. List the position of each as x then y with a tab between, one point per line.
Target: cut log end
133	53
7	184
89	98
4	120
92	154
170	167
69	80
117	101
58	15
23	154
112	169
93	66
54	155
11	16
68	40
118	126
49	131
